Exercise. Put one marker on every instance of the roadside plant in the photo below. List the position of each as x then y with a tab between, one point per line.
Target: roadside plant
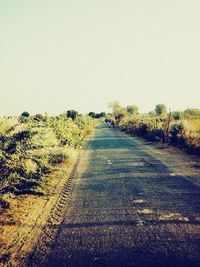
32	146
176	132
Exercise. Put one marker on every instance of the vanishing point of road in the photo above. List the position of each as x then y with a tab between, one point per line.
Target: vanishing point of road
128	208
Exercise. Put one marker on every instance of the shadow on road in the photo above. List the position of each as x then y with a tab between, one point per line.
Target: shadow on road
128	209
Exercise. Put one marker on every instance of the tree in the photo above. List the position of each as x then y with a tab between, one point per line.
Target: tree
102	114
118	110
97	115
92	114
25	114
39	117
176	115
72	114
192	112
160	109
132	109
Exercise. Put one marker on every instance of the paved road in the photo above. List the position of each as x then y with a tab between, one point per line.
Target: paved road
128	209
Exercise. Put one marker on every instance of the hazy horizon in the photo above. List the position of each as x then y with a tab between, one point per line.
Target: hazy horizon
61	55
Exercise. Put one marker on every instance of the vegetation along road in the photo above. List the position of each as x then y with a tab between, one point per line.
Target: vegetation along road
131	205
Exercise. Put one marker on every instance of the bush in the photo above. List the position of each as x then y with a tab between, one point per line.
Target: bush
58	156
176	133
182	128
176	115
160	109
29	149
25	114
72	114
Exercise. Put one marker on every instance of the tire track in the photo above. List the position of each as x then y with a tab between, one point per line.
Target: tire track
39	255
15	253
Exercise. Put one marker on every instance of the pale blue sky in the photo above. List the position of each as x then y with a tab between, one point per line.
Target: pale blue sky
58	55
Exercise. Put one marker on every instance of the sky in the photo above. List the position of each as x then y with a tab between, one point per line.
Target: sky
75	54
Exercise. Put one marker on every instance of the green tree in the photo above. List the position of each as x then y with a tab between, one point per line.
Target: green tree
72	114
192	112
118	111
92	114
132	109
160	109
102	114
39	117
176	115
97	115
25	114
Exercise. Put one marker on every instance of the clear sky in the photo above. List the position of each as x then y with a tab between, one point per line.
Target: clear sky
57	55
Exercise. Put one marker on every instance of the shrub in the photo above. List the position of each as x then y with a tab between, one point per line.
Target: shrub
176	115
132	109
176	132
58	156
25	114
29	149
72	114
160	109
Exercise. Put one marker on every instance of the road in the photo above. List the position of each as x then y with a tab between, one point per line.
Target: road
128	208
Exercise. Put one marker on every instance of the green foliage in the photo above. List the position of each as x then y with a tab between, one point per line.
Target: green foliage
177	115
25	114
57	156
192	112
29	149
96	115
92	114
72	114
39	117
178	129
118	111
160	109
132	109
101	115
176	132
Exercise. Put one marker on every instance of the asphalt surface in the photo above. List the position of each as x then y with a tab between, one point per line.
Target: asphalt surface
128	209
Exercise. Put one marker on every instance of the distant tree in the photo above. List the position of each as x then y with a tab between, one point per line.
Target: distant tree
92	114
97	115
118	110
72	114
114	105
25	114
192	112
160	109
102	114
176	115
132	109
39	117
